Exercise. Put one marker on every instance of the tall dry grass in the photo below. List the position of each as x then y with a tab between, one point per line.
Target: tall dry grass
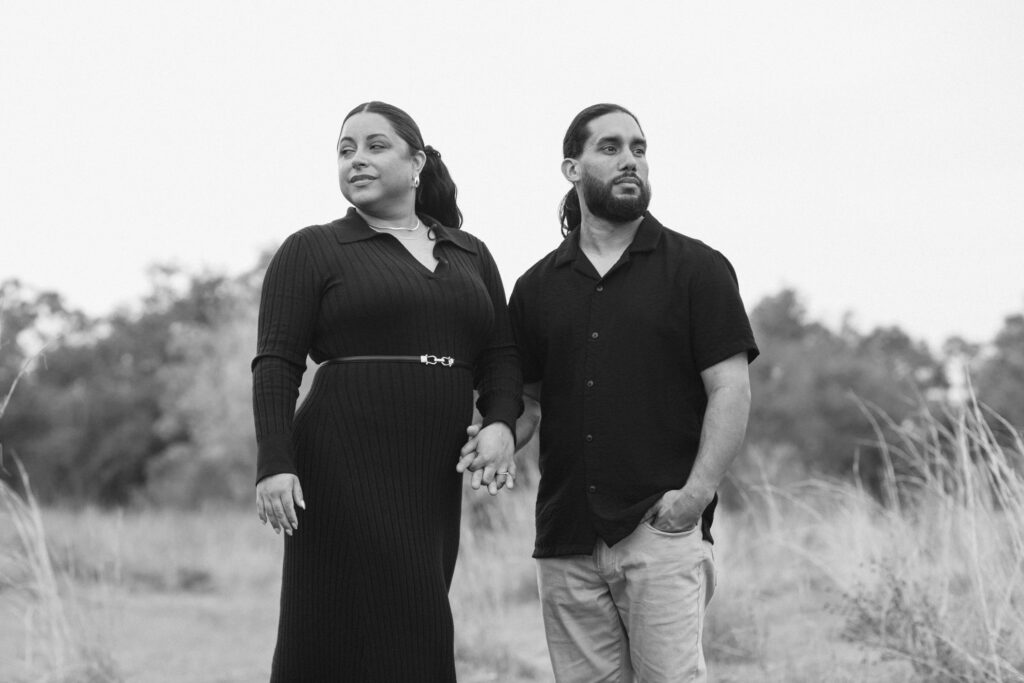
59	644
57	648
948	596
924	582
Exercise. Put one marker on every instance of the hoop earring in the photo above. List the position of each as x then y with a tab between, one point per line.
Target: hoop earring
416	180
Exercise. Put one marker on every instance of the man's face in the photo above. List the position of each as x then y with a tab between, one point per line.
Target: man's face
613	169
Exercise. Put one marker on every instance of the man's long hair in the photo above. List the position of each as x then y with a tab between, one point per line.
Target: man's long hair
569	213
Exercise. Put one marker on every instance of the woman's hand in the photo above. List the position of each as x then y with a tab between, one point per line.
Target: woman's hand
489	455
276	498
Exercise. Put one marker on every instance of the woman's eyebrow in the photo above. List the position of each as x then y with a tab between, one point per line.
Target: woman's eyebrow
349	138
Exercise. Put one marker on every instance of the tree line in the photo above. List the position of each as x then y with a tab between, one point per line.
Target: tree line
153	404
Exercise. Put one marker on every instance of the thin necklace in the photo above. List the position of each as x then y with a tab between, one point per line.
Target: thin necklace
413	235
386	227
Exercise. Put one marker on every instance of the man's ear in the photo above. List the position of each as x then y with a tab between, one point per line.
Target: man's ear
571	170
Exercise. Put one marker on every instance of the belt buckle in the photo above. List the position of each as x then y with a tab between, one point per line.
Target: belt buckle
429	359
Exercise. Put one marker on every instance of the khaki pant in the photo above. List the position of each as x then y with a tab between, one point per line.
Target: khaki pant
632	612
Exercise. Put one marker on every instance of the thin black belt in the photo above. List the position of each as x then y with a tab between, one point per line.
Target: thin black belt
425	359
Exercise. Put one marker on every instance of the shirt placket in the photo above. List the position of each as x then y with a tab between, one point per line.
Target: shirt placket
596	318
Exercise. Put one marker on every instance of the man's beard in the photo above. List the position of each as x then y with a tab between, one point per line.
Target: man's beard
603	204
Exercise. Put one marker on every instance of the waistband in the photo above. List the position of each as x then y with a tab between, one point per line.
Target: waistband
425	359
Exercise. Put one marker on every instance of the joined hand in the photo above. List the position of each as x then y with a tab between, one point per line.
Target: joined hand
489	455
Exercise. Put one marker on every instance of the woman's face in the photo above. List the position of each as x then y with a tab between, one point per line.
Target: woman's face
375	166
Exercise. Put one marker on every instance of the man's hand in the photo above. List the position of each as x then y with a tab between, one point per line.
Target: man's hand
679	510
488	454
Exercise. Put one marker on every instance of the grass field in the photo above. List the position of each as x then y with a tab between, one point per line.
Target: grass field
818	582
170	596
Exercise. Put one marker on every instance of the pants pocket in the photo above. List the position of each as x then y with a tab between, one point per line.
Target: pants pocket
672	534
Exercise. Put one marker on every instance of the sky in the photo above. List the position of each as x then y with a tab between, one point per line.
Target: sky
868	154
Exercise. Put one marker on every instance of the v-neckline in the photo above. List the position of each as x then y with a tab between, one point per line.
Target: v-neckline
407	255
623	258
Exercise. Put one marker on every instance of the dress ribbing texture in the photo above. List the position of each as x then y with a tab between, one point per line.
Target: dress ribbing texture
364	593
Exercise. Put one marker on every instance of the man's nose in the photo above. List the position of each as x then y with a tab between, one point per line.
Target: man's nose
627	162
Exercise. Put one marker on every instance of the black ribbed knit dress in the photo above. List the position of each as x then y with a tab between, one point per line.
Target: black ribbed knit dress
364	594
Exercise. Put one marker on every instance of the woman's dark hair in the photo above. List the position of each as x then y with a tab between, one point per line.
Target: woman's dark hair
436	195
569	213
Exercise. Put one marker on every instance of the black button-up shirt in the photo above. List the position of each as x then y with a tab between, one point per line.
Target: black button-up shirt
620	357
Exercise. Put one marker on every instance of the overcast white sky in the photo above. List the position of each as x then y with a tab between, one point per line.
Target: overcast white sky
869	154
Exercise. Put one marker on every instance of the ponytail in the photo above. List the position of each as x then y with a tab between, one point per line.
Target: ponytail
570	215
436	195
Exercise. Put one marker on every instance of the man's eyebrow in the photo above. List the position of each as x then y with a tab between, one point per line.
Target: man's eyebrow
608	138
638	140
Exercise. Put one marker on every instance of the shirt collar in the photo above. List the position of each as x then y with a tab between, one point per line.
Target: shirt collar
352	228
647	236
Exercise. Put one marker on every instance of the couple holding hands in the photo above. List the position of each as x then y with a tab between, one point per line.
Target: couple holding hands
630	340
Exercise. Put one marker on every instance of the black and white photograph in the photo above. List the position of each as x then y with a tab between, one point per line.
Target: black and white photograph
530	342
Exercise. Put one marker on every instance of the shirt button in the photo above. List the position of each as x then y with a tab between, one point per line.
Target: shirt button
594	335
590	383
600	288
589	438
592	488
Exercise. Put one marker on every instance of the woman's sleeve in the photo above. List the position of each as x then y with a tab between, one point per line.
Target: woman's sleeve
288	310
497	376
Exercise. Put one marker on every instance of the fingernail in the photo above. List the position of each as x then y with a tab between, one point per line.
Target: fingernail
302	504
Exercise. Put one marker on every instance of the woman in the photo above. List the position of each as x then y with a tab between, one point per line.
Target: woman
406	315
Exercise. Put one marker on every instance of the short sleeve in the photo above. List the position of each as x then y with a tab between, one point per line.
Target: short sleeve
719	327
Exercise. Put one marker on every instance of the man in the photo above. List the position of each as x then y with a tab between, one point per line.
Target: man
635	346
